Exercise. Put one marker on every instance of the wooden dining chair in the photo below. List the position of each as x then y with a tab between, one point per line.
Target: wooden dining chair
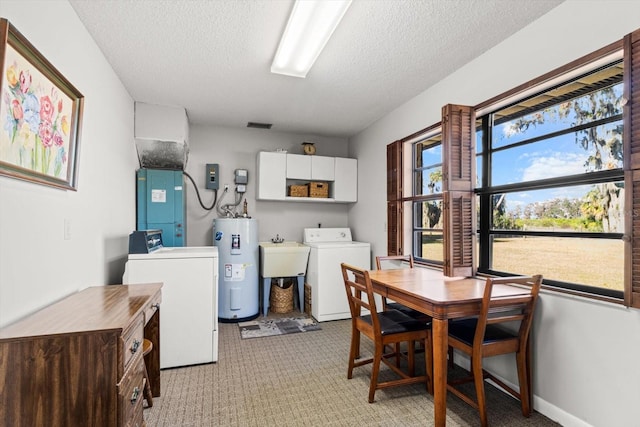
384	328
489	335
400	261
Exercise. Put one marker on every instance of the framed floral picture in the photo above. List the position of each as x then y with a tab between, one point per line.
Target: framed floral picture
40	115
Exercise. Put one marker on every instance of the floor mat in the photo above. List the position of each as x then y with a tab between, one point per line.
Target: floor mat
270	327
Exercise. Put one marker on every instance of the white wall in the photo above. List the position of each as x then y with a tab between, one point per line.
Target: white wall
37	266
585	352
238	149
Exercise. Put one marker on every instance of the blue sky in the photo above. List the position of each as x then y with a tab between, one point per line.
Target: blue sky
555	157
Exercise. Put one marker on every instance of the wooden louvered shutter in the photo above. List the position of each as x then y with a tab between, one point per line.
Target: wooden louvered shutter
632	240
394	228
458	171
632	168
394	199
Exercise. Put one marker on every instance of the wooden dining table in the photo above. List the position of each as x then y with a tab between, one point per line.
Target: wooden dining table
429	291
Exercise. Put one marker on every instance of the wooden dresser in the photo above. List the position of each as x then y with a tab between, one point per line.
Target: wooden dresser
79	362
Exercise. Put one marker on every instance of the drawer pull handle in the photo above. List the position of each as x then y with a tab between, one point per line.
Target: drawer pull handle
135	346
134	395
155	305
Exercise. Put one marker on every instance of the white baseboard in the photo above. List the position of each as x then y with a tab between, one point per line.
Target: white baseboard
556	414
540	405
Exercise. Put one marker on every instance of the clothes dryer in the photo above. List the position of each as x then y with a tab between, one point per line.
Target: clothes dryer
189	326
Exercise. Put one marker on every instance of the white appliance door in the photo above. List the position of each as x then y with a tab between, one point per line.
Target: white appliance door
187	311
331	300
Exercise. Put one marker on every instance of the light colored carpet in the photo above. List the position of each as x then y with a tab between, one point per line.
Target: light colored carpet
301	380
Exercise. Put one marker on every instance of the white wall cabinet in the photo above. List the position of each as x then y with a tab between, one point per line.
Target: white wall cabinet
298	166
322	168
345	187
272	178
276	171
314	168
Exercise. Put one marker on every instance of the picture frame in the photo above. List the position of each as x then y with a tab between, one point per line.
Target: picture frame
40	115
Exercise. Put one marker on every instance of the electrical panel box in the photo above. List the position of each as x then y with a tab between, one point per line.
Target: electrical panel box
161	204
241	176
212	176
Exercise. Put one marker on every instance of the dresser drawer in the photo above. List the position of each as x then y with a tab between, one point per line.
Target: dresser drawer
132	340
130	393
153	306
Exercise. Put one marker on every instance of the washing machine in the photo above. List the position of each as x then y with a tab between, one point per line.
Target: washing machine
189	308
329	247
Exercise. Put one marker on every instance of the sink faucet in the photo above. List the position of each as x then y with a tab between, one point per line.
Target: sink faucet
277	239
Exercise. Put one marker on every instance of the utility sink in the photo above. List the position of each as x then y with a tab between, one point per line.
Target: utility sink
286	259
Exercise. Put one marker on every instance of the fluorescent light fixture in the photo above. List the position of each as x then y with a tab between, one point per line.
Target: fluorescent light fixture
309	28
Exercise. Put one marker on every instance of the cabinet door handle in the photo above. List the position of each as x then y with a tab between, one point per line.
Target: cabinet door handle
135	346
155	305
134	395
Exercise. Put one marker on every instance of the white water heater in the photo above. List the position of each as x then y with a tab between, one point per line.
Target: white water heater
238	291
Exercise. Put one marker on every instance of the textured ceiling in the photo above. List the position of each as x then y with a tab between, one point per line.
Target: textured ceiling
214	57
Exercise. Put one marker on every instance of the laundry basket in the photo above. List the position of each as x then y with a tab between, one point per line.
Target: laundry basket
281	299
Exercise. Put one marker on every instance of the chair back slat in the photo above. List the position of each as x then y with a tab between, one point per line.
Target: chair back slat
505	319
359	293
398	259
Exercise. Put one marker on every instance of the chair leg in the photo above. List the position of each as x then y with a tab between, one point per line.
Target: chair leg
353	351
523	379
375	369
428	360
355	336
478	379
428	363
148	395
411	352
450	357
529	374
147	347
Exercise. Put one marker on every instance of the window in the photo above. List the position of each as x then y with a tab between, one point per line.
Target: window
427	201
557	184
551	193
